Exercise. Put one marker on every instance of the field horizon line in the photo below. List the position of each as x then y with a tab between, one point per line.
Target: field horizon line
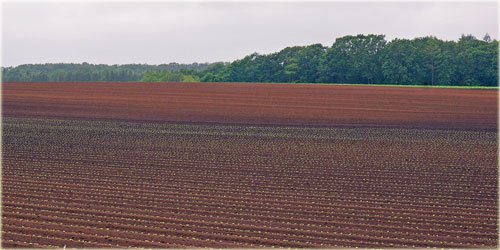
285	83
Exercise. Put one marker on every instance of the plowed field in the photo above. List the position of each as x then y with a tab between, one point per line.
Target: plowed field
248	165
266	104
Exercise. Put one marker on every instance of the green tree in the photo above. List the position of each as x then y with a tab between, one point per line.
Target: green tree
399	62
354	59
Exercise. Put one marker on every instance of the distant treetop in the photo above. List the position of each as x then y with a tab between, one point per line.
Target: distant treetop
367	59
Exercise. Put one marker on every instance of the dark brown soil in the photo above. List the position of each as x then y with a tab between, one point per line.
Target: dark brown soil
109	165
245	103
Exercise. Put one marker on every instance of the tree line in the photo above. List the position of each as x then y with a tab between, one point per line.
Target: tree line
366	59
85	72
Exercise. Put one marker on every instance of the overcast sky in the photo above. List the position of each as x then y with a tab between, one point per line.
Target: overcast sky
162	32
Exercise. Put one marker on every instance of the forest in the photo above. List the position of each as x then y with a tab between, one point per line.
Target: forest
360	59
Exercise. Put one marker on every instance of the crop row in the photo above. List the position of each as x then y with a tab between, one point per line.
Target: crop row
125	184
375	238
160	213
343	177
184	184
238	204
275	180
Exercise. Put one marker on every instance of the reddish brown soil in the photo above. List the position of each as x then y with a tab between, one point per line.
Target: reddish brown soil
237	103
91	165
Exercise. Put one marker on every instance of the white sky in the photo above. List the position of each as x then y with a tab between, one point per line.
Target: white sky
119	32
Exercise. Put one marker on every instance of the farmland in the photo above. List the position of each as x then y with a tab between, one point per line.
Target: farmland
248	165
256	104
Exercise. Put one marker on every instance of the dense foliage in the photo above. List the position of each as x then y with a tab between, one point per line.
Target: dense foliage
371	59
85	72
366	59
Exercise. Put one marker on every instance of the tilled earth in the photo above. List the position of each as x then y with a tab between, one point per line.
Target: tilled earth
128	180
